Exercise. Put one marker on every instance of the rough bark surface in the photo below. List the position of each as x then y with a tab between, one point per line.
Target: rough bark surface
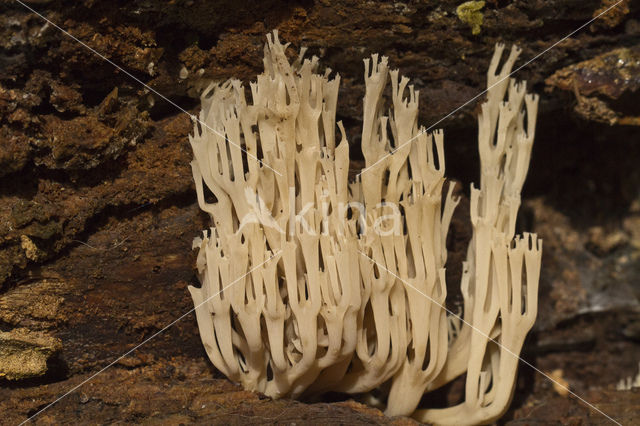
98	209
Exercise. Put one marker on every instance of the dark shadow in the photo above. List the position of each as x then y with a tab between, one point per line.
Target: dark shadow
588	171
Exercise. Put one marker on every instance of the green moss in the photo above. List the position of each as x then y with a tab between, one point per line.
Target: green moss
470	13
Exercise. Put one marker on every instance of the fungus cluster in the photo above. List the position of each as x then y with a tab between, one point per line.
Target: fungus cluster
315	281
